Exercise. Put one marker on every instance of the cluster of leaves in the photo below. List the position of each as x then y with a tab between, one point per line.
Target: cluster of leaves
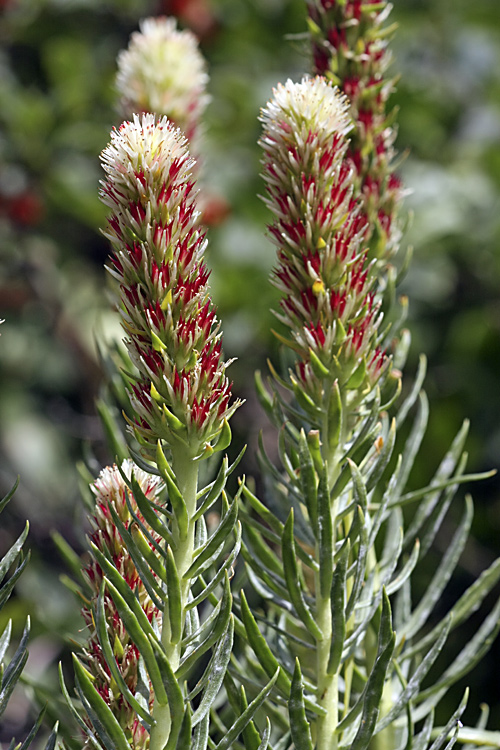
11	668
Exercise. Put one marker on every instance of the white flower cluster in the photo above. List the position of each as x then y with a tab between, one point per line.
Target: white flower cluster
110	485
299	105
162	71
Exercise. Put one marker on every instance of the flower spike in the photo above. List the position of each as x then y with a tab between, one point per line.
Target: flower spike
180	392
327	285
349	46
112	500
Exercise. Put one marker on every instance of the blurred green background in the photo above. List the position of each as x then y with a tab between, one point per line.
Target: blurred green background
57	105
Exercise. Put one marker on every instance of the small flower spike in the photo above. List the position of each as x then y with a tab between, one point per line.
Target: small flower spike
328	300
162	71
349	44
113	497
179	393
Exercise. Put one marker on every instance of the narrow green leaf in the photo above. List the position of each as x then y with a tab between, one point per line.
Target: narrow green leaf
193	629
31	736
11	676
109	722
215	633
115	441
265	398
200	736
142	463
381	512
149	555
216	540
334	417
304	401
414	441
174	598
456	480
383	458
142	639
286	454
5	641
338	611
261	552
307	479
213	492
251	737
269	519
6	499
88	733
413	395
366	432
325	535
292	578
258	643
247	715
173	691
317	365
405	572
453	724
444	471
12	553
468	603
102	632
421	741
7	588
120	585
375	685
174	494
19	656
152	587
224	437
184	737
415	680
52	739
218	666
432	525
144	505
470	655
71	560
299	726
443	574
265	736
217	579
358	486
359	575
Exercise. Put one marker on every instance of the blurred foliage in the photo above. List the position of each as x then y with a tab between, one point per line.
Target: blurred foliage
57	105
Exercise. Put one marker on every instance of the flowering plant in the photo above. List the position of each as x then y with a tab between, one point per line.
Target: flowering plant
316	642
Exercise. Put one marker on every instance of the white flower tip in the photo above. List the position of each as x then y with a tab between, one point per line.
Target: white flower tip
313	102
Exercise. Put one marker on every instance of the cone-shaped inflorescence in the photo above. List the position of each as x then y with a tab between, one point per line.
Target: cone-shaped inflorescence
113	499
349	43
162	71
328	300
181	393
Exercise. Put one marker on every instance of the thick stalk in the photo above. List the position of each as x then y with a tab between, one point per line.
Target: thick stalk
328	692
327	684
186	474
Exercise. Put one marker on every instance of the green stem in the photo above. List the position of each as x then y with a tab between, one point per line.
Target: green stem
327	684
186	475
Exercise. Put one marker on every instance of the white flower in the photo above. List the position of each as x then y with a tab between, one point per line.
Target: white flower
163	71
110	485
311	103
